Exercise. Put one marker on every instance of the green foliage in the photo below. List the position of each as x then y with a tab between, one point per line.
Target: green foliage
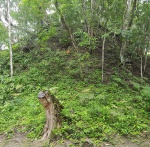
145	93
94	110
45	35
4	54
91	109
136	86
84	40
4	34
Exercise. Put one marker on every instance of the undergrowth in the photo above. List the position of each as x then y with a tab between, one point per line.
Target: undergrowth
95	110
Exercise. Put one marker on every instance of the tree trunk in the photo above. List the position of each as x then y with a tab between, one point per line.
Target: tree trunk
145	57
9	34
92	16
85	15
141	67
122	52
103	58
52	109
132	14
146	52
125	26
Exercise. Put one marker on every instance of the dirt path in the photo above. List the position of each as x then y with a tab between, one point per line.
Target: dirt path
20	140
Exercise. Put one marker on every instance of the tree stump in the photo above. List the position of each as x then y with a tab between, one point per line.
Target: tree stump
52	109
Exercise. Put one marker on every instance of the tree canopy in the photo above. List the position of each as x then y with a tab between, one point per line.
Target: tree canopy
82	22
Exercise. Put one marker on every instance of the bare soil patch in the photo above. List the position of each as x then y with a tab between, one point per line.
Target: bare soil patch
20	140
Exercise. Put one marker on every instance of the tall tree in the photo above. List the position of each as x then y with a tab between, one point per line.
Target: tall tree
126	25
103	57
9	34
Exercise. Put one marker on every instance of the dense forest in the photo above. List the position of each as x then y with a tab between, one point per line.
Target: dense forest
92	55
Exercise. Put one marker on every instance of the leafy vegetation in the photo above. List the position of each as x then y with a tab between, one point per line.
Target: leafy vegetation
94	59
96	110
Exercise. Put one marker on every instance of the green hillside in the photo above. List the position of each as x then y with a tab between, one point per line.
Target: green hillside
95	110
92	55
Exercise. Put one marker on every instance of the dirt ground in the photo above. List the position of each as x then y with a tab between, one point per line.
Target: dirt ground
20	140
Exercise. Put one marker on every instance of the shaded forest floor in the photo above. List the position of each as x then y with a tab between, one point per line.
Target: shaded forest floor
20	140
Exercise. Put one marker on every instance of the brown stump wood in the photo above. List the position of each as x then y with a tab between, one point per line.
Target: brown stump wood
52	109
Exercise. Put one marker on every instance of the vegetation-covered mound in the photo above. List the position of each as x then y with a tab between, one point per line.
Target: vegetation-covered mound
96	110
92	55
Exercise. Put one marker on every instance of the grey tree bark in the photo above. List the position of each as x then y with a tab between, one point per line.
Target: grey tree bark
9	34
103	58
126	24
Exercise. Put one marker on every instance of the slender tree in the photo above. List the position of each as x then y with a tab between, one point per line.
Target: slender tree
9	34
103	57
125	22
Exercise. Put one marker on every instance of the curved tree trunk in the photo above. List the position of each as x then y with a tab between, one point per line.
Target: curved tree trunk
52	109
